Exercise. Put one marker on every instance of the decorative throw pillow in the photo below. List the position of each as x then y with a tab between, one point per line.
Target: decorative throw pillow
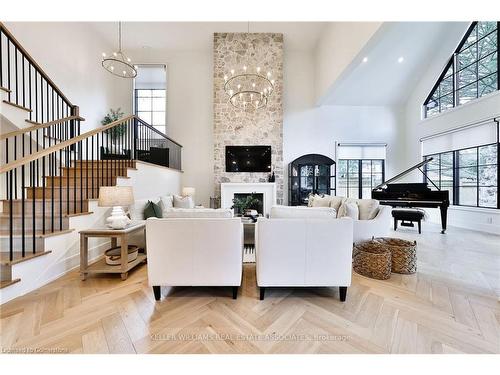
136	210
321	201
310	199
343	209
166	202
183	202
349	209
352	211
335	202
152	210
368	208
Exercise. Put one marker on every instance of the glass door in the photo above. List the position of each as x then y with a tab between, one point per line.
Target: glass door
307	183
310	174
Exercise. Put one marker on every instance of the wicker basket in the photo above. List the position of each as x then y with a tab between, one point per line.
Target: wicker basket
113	256
404	254
372	259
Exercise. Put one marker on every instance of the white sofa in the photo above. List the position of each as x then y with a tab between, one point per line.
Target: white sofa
304	252
374	220
376	227
194	252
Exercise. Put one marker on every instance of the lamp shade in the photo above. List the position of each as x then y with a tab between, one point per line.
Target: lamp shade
188	191
111	196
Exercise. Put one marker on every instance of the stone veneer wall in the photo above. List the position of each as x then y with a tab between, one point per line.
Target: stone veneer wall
235	127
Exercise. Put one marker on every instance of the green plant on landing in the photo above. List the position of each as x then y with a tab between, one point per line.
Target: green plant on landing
247	203
117	131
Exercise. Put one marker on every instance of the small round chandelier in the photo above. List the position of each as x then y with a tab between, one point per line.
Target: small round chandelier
118	63
248	88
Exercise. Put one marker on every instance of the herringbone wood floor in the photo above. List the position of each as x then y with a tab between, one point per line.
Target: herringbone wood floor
450	306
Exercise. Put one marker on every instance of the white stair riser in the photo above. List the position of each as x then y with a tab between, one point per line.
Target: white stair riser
15	115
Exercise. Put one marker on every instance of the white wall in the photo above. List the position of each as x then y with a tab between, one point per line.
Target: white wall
70	53
487	220
339	43
151	181
189	112
309	129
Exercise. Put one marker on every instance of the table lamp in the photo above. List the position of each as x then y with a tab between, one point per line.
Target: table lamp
188	192
116	197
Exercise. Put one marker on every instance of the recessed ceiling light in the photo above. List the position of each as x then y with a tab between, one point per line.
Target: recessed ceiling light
365	59
401	59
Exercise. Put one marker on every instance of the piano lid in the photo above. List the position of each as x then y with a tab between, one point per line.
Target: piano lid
404	173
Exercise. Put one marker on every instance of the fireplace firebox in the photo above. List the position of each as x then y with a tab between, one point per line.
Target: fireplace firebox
259	207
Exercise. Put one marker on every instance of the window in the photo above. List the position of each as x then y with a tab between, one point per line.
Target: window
471	72
150	95
470	175
358	177
150	107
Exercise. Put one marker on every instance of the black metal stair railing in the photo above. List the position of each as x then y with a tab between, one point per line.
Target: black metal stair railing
152	146
27	84
52	117
57	182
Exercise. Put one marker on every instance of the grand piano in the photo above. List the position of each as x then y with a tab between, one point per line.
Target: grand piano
413	194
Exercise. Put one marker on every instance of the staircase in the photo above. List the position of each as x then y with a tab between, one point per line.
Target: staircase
50	172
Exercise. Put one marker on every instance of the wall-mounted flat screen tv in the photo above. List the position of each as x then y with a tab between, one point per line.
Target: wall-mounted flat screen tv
248	158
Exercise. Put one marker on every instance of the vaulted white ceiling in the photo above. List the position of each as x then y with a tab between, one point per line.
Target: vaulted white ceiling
180	36
379	81
385	80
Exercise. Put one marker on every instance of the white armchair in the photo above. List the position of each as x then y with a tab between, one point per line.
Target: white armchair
194	252
304	252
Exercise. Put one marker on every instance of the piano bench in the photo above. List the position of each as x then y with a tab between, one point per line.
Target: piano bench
407	217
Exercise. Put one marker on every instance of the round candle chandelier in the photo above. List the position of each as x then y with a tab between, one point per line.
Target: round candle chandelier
118	63
248	87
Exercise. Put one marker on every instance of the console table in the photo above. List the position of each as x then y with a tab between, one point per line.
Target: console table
100	265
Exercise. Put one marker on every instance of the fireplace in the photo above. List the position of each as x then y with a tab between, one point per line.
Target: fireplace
259	207
265	190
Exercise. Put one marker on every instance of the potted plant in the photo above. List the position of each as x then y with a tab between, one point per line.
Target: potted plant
246	206
116	131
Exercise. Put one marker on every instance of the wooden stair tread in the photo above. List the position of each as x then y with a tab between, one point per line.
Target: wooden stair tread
79	214
38	234
64	187
18	257
18	106
47	200
47	216
47	122
105	161
101	167
6	283
33	122
83	177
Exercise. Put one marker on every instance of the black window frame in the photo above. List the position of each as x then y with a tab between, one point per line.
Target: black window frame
360	175
455	72
136	105
456	176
